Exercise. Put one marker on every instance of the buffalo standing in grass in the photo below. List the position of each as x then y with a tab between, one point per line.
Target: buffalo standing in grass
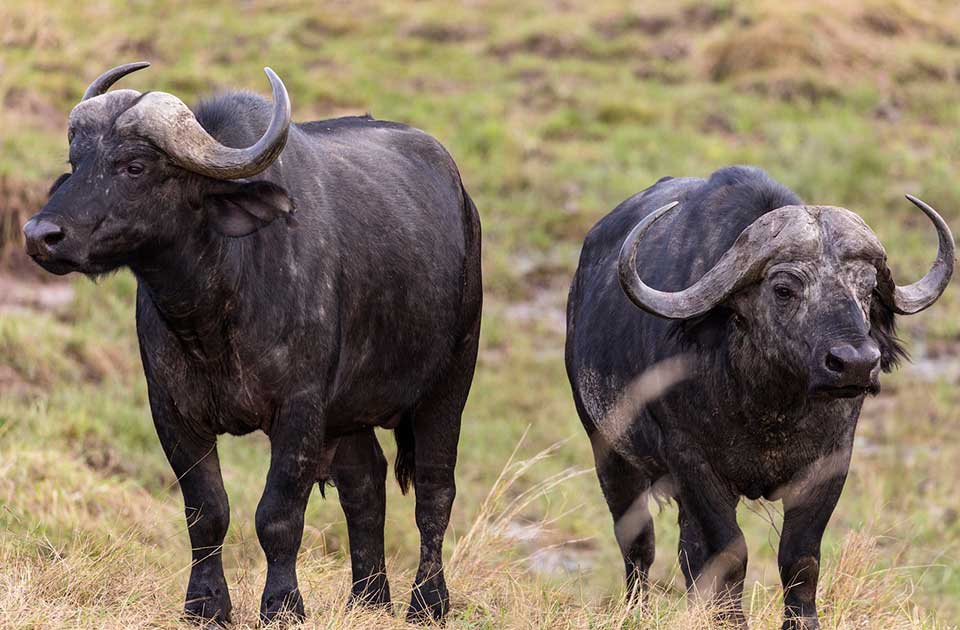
741	374
359	310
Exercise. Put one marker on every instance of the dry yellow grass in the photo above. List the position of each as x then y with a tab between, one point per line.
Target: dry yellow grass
811	50
122	568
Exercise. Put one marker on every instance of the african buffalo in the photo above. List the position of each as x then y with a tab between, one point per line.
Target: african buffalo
741	374
358	308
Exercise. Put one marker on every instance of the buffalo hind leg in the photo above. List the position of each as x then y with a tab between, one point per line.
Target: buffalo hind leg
197	467
436	426
295	461
359	472
626	490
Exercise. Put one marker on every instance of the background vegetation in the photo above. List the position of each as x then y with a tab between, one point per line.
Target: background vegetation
555	112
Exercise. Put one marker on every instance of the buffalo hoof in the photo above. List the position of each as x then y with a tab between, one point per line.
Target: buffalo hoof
208	606
429	602
371	593
801	623
282	609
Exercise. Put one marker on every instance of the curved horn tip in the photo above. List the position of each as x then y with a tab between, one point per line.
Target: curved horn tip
132	66
914	298
632	240
923	205
916	201
668	207
274	79
652	218
279	89
927	209
103	83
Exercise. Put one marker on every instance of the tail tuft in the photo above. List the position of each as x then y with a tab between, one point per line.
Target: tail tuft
323	482
405	466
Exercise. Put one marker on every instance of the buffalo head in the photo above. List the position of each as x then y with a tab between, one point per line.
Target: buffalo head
808	292
144	173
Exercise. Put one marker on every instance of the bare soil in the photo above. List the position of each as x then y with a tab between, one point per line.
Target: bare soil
27	294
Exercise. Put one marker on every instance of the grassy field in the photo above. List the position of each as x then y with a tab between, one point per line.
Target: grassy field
555	112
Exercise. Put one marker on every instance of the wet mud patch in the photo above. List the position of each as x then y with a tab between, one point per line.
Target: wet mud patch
545	555
546	282
544	308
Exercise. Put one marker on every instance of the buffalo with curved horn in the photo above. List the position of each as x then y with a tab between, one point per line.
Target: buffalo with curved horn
312	281
741	374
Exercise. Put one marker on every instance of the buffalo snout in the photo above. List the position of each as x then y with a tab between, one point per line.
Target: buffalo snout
850	370
42	238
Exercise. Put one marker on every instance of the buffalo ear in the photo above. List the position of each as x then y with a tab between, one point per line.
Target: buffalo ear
883	329
241	208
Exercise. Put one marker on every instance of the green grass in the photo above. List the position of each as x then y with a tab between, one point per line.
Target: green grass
554	116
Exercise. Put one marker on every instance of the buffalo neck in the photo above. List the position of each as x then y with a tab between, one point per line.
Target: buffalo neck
197	288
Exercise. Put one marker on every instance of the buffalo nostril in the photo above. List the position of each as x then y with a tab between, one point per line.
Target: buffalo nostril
834	363
53	238
42	236
843	358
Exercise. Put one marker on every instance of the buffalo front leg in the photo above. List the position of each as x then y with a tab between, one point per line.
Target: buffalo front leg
194	461
360	471
807	508
295	463
713	551
436	428
627	491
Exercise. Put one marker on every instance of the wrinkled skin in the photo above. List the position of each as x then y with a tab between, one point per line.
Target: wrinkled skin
338	292
757	398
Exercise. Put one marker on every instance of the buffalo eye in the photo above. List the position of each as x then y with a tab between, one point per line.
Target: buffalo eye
783	292
134	169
